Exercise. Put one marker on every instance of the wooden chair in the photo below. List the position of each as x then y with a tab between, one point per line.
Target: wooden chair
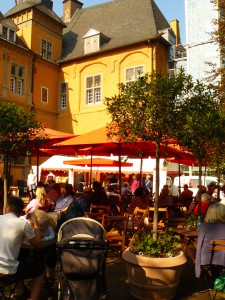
163	216
115	228
139	216
211	271
95	216
138	219
94	208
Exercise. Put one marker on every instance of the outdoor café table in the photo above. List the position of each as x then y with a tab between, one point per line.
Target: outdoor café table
189	240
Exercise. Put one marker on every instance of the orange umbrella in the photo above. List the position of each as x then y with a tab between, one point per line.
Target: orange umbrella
96	162
52	136
94	137
99	144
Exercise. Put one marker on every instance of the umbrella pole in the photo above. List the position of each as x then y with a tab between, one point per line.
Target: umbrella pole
179	189
141	166
38	162
91	169
119	152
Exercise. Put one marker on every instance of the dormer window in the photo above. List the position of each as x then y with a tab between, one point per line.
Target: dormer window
8	34
91	41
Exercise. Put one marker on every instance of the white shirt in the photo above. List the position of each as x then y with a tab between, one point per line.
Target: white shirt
13	230
32	179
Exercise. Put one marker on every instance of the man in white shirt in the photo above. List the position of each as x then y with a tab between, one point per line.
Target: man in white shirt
13	230
31	183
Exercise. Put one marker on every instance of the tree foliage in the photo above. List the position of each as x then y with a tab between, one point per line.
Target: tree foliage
19	128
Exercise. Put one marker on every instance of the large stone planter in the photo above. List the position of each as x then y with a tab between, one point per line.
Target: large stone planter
153	278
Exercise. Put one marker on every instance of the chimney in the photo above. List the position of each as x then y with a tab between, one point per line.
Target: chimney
48	3
69	9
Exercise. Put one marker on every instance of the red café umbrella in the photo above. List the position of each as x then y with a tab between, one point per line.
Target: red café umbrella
98	143
141	150
51	137
96	162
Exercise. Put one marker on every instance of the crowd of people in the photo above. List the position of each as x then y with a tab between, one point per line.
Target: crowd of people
52	204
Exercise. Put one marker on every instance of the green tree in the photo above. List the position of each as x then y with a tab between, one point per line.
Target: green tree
19	128
198	112
145	109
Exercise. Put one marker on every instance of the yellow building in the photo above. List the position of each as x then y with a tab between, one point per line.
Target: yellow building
64	68
70	65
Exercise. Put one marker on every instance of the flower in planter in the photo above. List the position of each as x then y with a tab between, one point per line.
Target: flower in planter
167	244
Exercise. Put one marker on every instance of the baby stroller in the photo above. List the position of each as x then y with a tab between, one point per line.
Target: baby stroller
82	252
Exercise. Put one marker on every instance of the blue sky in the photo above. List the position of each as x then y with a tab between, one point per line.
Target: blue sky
172	9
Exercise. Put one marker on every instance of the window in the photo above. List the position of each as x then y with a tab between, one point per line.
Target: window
17	79
63	95
93	89
132	74
92	41
46	50
8	34
44	95
4	32
91	44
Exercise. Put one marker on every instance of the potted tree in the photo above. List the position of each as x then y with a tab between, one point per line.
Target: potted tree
154	267
145	109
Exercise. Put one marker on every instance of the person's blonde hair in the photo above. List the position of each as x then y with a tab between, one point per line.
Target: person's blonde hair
41	194
215	213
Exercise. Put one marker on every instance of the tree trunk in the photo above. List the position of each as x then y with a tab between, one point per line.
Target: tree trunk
5	172
156	204
199	187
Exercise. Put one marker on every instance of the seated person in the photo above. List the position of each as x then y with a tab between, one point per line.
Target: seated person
54	193
202	190
215	195
74	211
213	228
62	203
48	236
12	232
140	199
114	200
125	190
165	198
99	196
205	203
186	196
40	202
83	199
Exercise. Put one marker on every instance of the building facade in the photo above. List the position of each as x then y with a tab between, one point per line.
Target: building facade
64	68
201	48
69	65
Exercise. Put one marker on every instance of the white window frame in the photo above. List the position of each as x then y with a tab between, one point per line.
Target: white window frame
46	49
94	92
63	95
17	79
135	76
94	42
42	90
